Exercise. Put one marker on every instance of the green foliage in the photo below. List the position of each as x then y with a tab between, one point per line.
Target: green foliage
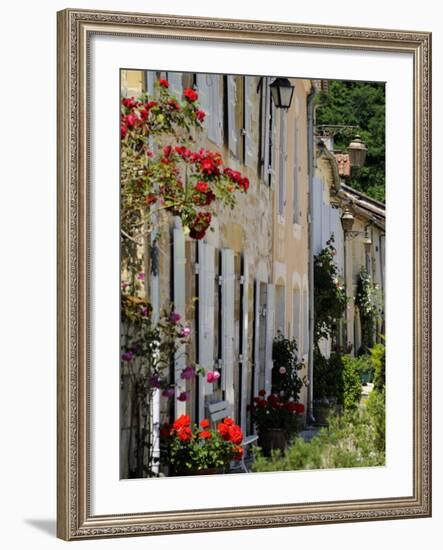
378	359
285	380
360	104
328	377
353	440
351	383
368	301
376	407
329	294
337	379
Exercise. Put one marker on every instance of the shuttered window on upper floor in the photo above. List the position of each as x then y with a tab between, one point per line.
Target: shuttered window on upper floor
210	97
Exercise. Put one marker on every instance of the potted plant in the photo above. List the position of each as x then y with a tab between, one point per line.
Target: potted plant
276	419
198	450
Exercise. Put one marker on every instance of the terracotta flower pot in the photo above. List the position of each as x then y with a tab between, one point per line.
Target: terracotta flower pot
272	438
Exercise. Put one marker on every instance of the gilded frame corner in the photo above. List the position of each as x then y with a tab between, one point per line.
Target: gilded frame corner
73	516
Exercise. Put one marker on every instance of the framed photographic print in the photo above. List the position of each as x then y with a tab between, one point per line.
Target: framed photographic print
243	274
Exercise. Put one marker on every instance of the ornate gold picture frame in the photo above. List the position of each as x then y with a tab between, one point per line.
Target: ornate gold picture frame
75	516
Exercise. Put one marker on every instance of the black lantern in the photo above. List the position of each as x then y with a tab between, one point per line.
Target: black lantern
282	92
357	152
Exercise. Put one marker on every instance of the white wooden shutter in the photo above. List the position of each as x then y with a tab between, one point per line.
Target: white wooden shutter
208	86
245	347
282	164
270	333
228	323
266	136
256	338
179	298
176	84
250	120
206	296
295	189
232	102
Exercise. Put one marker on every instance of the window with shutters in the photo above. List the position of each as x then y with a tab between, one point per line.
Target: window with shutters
209	90
235	118
250	121
296	305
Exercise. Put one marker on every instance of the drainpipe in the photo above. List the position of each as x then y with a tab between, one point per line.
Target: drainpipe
310	113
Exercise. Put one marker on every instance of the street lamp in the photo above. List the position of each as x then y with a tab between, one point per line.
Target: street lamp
282	92
357	152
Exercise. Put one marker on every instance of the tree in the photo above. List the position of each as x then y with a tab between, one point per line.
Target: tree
360	104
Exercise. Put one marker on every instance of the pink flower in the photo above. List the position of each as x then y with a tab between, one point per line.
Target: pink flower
127	356
174	317
141	276
282	370
212	376
185	332
168	392
184	396
187	373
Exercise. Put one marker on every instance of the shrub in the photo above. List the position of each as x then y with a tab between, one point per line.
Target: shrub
351	383
378	360
328	376
349	441
285	380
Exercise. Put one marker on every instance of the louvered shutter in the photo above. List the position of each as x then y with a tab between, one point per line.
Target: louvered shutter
206	295
228	323
245	347
270	333
210	101
232	126
179	298
175	84
266	136
250	120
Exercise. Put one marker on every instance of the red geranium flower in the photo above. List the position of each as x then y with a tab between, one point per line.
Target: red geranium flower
223	430
163	83
239	451
205	423
165	431
184	434
262	393
205	435
228	421
190	94
235	434
182	421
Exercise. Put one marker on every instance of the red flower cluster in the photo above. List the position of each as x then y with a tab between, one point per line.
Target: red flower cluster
182	428
204	196
230	431
199	225
134	114
163	83
236	177
275	402
190	94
